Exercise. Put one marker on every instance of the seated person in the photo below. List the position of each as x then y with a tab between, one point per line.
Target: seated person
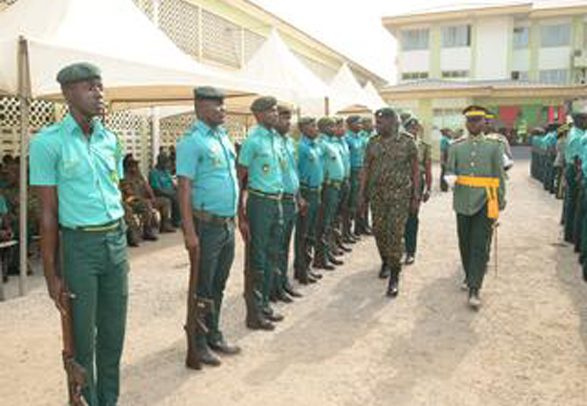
145	197
139	222
163	185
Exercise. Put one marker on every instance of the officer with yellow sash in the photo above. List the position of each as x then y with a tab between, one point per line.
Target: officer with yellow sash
476	165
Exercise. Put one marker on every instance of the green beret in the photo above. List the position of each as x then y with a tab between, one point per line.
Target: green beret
208	93
386	112
78	72
325	122
353	119
263	103
306	120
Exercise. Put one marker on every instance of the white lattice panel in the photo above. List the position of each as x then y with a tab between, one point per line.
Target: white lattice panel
172	128
146	7
326	73
179	20
253	42
134	132
221	40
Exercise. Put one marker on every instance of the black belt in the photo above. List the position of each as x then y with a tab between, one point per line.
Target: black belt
271	196
102	228
212	218
310	188
288	196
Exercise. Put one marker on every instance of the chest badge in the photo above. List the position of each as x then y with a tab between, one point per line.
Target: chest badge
265	169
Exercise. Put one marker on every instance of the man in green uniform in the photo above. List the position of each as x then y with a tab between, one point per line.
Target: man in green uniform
343	218
357	144
479	195
76	166
572	159
334	174
292	203
311	175
161	181
262	160
390	181
146	200
208	196
413	127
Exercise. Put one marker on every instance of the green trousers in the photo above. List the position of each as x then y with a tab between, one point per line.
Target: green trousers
265	217
305	238
216	257
328	210
95	269
290	216
570	201
474	234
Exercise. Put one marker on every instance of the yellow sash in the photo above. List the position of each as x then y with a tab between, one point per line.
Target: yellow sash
491	185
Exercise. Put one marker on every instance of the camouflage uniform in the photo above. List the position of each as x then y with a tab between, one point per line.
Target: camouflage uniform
144	205
389	173
135	205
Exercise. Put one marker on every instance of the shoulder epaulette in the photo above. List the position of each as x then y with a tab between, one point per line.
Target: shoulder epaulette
459	140
494	137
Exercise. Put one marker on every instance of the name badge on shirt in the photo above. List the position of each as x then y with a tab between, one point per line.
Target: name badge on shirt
265	169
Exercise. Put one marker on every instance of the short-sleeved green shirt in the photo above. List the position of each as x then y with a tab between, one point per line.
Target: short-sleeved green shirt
85	170
264	156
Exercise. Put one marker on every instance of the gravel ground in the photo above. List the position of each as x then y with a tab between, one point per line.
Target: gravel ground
345	343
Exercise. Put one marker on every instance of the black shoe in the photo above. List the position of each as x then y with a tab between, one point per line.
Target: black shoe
207	357
150	236
222	347
393	287
335	261
260	323
307	279
314	275
291	291
367	231
273	298
323	265
272	316
283	296
345	248
410	259
385	271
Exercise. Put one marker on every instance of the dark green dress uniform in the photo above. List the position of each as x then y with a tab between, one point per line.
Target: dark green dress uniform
263	155
291	187
343	221
476	161
388	166
311	175
357	144
206	156
86	171
334	175
572	156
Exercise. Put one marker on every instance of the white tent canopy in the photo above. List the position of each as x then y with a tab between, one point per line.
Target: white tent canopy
138	63
345	91
276	65
373	98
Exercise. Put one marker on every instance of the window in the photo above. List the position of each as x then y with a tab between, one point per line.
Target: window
448	74
521	37
520	75
415	39
555	35
414	75
456	36
554	76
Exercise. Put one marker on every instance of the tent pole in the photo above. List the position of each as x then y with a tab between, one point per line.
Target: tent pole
155	134
24	94
326	106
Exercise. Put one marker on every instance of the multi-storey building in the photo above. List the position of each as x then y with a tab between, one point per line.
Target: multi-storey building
523	60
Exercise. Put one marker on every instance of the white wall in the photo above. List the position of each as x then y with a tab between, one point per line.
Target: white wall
455	58
554	58
415	61
521	60
493	37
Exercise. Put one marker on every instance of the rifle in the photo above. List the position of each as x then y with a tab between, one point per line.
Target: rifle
197	308
495	249
76	374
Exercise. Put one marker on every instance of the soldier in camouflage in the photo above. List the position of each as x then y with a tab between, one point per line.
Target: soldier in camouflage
390	181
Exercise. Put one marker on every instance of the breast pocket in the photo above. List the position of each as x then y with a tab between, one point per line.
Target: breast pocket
74	168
